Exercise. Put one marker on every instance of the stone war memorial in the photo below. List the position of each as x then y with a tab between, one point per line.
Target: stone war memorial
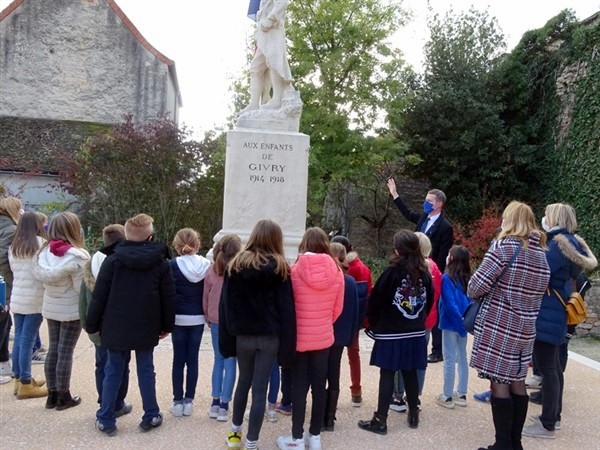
266	161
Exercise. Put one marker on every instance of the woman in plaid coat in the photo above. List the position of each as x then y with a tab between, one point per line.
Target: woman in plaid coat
505	326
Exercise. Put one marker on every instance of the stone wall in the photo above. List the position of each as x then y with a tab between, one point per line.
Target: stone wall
378	243
79	60
566	87
591	325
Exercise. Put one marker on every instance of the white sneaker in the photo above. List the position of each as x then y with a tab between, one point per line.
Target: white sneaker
177	409
459	400
5	369
213	411
444	401
313	442
4	379
187	408
537	430
271	415
223	415
534	382
536	418
38	358
288	442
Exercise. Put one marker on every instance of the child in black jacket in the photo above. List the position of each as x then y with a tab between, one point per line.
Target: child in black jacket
133	306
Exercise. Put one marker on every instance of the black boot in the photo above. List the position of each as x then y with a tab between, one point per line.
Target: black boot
502	413
326	412
520	404
330	409
413	418
377	424
65	401
51	400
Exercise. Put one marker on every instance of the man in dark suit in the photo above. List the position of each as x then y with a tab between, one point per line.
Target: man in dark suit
434	224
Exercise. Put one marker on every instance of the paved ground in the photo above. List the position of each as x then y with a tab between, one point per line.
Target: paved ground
26	424
587	346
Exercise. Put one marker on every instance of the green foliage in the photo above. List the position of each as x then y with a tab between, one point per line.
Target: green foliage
453	120
345	69
578	158
526	85
154	168
376	265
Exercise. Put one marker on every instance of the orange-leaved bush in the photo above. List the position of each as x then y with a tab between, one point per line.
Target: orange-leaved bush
478	235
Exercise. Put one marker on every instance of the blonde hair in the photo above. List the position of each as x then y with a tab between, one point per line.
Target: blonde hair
338	251
518	220
11	207
186	242
139	228
66	226
265	242
424	244
561	215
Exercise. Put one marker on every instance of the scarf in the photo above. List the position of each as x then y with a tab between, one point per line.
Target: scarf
59	247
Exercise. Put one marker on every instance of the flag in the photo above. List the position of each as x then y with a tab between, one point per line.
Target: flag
253	8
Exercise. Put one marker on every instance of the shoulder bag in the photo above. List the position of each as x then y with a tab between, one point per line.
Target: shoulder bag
575	307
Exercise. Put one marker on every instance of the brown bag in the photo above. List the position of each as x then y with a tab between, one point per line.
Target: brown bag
575	307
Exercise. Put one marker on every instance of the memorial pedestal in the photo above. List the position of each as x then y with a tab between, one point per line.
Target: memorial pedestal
266	176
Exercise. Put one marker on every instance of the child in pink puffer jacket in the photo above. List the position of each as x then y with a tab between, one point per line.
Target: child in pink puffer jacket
318	284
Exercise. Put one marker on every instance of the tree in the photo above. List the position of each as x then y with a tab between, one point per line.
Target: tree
154	168
452	122
345	68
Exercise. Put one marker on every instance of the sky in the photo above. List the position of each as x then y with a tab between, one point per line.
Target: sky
210	41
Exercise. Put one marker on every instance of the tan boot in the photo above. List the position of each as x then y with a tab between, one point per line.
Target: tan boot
31	390
39	382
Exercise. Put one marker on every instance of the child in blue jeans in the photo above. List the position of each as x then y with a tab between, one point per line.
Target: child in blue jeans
224	369
453	303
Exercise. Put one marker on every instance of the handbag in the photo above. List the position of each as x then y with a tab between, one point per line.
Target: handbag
471	312
469	316
575	307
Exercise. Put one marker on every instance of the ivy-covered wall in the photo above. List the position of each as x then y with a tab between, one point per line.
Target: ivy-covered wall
552	111
578	153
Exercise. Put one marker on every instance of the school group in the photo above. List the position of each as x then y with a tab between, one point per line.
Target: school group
274	324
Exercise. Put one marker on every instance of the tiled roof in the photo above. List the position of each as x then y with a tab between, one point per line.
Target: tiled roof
38	145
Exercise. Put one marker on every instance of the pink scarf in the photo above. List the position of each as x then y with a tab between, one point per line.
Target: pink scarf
59	247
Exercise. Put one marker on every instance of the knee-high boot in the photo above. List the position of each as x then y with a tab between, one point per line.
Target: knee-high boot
520	404
502	414
332	401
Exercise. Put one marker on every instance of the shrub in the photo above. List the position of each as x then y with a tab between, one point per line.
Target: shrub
478	235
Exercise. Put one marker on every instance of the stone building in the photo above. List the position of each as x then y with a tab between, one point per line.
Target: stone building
71	65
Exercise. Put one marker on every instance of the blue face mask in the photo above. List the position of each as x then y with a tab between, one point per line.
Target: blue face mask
427	207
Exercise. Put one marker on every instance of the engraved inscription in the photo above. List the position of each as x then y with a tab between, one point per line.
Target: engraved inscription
263	172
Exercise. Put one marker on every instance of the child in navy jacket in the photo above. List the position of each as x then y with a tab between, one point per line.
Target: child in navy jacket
189	270
344	329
